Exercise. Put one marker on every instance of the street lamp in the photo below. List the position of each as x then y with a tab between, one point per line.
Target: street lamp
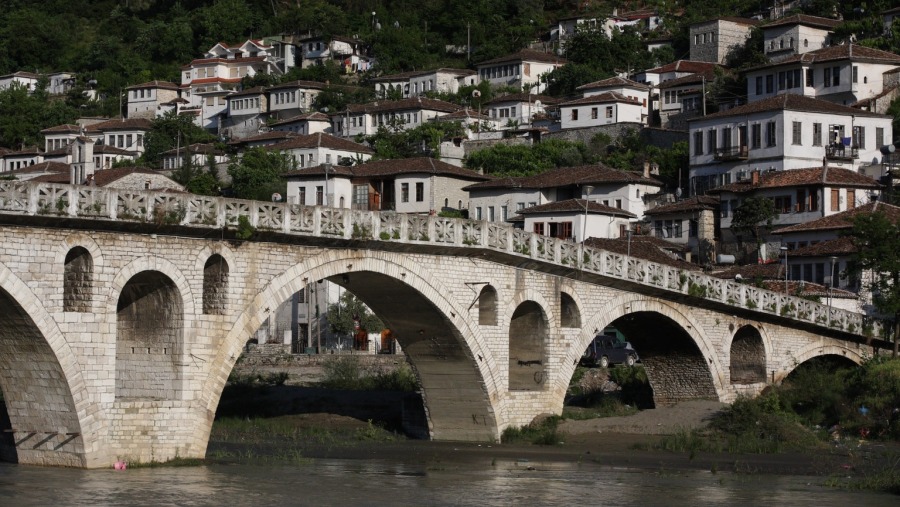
785	250
587	193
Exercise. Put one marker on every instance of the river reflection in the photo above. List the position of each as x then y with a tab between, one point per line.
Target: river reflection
376	482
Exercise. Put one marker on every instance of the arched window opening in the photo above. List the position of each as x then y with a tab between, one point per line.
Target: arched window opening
215	285
78	277
487	306
569	314
748	357
527	332
149	338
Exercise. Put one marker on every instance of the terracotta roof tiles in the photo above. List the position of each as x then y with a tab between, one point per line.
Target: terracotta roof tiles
813	176
577	206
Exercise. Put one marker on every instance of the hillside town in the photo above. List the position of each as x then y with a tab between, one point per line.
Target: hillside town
811	133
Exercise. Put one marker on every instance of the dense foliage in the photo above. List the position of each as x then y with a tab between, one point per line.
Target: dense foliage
526	160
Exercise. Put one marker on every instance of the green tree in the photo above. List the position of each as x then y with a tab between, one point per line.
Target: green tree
169	132
754	216
257	174
877	241
525	160
344	315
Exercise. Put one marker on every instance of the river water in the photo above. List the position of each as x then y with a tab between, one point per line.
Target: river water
380	482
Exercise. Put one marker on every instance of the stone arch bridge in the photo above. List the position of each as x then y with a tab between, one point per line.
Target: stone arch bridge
124	313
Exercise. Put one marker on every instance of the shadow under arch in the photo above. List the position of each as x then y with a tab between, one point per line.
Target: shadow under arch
813	351
747	357
679	359
38	370
446	351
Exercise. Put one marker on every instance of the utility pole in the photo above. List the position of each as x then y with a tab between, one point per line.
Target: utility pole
468	42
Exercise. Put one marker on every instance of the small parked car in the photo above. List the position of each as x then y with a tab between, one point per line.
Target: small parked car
605	350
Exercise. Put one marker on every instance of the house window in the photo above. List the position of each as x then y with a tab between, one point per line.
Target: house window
693	228
782	204
770	83
539	228
817	134
836	76
320	196
796	133
420	191
504	213
810	77
759	85
770	134
859	137
826	77
619	203
404	192
302	198
491	216
851	198
879	137
755	135
698	142
574	114
835	199
711	141
854	74
520	206
726	138
593	113
478	213
609	111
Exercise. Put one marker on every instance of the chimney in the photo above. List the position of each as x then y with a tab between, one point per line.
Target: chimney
646	169
754	177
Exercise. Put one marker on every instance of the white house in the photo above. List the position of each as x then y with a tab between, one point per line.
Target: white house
198	153
125	133
674	70
691	223
412	185
306	123
27	80
146	100
347	52
290	99
364	119
317	149
499	199
842	74
522	69
780	134
632	89
799	195
682	98
517	109
414	84
247	112
797	34
20	159
601	109
577	219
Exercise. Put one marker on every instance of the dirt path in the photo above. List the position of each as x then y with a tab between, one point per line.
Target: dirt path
658	421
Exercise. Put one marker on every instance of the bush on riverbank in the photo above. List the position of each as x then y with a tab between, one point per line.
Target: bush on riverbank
541	432
348	373
607	392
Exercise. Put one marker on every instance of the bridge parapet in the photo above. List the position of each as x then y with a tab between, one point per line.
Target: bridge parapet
168	208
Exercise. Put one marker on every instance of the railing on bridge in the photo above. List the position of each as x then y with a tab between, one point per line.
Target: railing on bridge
216	212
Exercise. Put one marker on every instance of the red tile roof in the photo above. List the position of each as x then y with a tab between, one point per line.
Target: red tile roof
750	272
683	66
813	176
789	102
121	124
580	175
524	97
319	140
526	55
415	103
168	85
844	219
576	206
311	116
613	82
696	203
805	20
299	84
600	98
644	247
800	289
853	52
839	246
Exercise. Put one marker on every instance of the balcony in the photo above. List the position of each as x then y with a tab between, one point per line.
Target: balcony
731	153
841	152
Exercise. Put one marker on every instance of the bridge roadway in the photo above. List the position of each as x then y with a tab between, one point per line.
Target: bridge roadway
125	312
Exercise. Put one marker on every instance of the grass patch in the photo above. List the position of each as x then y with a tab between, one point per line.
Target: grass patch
544	432
174	462
290	430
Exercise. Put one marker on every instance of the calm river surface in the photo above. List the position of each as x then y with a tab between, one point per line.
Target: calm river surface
376	482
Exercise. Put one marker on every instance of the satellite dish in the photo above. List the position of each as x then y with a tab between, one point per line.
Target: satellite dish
678	192
537	103
276	197
378	26
476	93
396	24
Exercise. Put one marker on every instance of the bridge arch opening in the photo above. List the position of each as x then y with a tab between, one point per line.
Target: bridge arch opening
149	338
78	275
675	366
527	333
748	357
487	306
215	285
570	315
43	425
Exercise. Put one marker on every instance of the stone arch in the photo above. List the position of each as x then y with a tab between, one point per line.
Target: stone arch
458	381
527	345
569	314
149	338
487	306
679	358
42	383
215	285
747	357
78	278
92	250
814	350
